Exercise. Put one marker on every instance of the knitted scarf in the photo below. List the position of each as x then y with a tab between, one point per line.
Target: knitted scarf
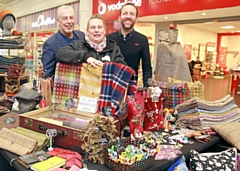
98	47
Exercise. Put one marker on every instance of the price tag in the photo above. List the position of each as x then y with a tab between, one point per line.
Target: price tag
87	104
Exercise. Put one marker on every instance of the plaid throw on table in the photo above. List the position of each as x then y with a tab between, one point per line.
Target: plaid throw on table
66	84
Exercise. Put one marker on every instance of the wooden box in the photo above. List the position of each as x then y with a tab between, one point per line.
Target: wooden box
66	137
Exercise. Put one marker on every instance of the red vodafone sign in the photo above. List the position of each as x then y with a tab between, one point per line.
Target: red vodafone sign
110	8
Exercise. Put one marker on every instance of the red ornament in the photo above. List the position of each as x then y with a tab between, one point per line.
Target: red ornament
171	26
42	103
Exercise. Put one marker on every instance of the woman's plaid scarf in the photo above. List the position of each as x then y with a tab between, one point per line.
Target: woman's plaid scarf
98	47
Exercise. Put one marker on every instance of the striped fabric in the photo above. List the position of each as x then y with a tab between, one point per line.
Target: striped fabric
197	113
116	80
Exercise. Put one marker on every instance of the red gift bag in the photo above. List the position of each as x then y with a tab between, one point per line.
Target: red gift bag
136	111
153	119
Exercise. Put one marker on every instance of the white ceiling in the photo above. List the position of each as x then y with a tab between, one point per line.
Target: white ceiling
4	3
230	16
189	17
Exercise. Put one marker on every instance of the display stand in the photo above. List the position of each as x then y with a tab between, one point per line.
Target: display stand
210	59
12	46
218	73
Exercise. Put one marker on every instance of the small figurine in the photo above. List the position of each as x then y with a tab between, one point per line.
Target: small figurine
166	119
51	133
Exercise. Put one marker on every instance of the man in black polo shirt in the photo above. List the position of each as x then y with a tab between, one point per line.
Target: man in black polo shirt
134	45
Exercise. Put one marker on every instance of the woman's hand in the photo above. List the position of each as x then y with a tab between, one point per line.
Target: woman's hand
94	62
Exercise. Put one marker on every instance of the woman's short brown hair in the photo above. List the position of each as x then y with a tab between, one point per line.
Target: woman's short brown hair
96	16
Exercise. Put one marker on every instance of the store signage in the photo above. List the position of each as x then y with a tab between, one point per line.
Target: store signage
223	56
211	44
88	104
103	7
110	8
43	22
188	51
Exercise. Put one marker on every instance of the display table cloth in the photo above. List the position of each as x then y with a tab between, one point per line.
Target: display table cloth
159	165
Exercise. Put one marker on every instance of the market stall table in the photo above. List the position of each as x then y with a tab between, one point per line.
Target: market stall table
159	165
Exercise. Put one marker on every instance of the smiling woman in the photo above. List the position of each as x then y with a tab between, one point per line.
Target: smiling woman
94	49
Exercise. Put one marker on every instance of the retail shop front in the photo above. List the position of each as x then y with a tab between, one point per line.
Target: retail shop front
39	27
110	9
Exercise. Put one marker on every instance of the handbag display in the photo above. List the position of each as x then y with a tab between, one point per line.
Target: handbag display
29	159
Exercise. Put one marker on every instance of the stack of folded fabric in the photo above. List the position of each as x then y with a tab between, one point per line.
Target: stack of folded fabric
7	61
201	114
12	43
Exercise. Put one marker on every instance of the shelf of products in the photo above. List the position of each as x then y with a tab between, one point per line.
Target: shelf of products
34	64
210	58
13	56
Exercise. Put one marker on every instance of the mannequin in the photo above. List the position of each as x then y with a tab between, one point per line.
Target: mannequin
171	59
7	22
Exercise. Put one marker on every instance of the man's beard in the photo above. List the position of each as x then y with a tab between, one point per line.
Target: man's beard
127	28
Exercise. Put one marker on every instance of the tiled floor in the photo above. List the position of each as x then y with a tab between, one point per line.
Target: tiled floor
215	89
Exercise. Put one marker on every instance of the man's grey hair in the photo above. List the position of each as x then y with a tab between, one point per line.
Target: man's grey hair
64	7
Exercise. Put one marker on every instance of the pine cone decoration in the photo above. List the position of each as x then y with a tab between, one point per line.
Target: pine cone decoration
14	71
101	130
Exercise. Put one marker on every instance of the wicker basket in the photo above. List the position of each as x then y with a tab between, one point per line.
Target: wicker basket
136	166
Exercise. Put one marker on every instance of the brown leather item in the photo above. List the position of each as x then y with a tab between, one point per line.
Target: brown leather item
200	136
31	158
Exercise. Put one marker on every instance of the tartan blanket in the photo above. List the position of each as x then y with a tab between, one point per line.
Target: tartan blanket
116	80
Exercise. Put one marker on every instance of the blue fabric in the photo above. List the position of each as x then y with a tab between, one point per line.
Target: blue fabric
180	163
51	46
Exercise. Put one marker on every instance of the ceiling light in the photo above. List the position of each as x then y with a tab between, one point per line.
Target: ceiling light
227	27
209	22
165	18
204	13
